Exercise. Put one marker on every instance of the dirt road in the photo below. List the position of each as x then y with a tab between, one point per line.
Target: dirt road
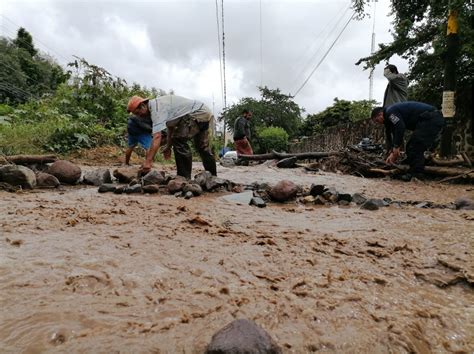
103	273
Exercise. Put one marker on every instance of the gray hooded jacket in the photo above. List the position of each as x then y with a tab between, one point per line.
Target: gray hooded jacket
397	88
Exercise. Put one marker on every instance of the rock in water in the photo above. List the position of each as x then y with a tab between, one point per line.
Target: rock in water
126	174
193	188
154	177
97	177
46	180
107	187
16	175
242	337
257	201
464	203
289	162
65	171
151	189
370	204
283	191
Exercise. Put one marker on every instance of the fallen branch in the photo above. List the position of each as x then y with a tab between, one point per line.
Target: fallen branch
30	159
456	177
431	170
281	155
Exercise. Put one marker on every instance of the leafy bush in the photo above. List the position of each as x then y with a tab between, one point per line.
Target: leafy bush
272	138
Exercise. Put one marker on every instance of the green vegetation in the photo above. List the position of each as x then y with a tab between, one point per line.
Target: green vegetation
273	138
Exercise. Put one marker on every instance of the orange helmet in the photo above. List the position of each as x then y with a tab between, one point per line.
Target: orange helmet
134	102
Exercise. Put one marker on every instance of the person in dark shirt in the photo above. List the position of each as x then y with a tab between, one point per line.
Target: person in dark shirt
424	120
139	132
242	133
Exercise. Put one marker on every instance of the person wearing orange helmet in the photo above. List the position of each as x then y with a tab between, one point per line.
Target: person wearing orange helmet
184	119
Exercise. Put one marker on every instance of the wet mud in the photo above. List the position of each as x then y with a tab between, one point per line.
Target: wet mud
88	272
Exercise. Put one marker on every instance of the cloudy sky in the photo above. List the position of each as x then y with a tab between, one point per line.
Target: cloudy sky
173	44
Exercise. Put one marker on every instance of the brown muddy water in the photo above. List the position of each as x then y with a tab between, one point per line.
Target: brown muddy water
87	273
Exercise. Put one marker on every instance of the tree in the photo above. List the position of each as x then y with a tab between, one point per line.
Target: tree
24	40
342	111
419	36
272	109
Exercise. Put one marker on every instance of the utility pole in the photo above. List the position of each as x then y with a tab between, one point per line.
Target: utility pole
449	88
372	49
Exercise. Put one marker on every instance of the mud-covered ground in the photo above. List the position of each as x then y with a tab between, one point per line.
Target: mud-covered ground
104	273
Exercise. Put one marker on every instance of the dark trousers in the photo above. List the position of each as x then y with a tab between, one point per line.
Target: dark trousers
184	156
425	136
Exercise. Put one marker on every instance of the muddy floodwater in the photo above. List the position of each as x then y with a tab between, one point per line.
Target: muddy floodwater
83	272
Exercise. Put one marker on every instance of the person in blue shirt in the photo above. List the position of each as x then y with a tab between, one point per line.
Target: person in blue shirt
424	120
139	133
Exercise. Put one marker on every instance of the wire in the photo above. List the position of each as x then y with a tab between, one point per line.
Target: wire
318	50
19	92
325	54
220	54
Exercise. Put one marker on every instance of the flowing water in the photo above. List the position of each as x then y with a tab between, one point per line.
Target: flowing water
104	273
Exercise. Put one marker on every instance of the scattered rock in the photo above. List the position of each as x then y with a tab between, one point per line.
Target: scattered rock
331	195
283	191
154	177
97	177
65	171
359	198
151	189
136	188
4	186
201	178
344	197
107	187
370	205
188	195
464	203
17	175
194	188
134	181
257	201
289	162
126	174
309	199
343	202
227	162
316	189
242	337
380	202
319	200
46	180
176	185
214	182
119	189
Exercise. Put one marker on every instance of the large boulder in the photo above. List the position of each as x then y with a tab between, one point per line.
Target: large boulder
126	174
65	171
154	177
97	177
283	191
16	175
45	180
242	337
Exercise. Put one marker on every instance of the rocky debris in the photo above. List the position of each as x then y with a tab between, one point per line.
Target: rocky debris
319	200
188	195
194	188
4	186
359	198
316	189
464	203
214	183
120	189
309	199
283	191
134	181
331	195
65	171
154	177
242	337
18	176
151	189
136	188
343	202
290	162
176	185
126	174
344	197
107	187
202	177
97	177
227	162
45	180
370	204
257	201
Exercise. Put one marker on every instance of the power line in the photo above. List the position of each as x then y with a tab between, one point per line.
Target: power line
19	92
313	57
220	54
325	54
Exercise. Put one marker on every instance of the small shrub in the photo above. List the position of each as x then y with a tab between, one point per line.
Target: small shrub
272	138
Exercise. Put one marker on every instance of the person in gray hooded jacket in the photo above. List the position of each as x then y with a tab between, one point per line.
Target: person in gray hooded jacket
397	88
